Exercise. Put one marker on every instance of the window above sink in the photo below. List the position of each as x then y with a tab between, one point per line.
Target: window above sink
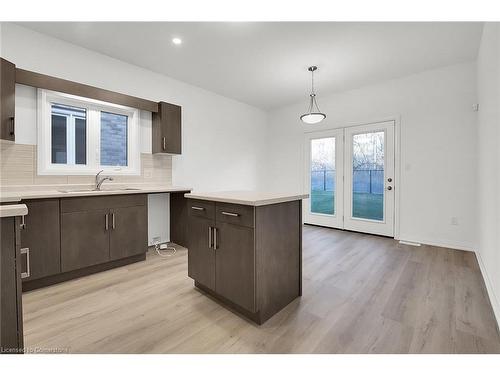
80	136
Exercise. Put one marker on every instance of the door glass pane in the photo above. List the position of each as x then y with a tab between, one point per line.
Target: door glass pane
113	139
368	176
323	176
68	135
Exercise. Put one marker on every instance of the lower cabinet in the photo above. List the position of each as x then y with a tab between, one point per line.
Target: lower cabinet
84	239
201	256
65	238
11	315
97	230
248	257
235	264
41	239
129	232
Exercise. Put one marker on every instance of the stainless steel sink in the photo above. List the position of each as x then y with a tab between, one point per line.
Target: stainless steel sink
93	190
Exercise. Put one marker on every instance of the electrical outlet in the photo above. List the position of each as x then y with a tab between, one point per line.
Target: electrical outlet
454	220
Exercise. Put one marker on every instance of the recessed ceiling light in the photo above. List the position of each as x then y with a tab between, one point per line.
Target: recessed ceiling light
177	41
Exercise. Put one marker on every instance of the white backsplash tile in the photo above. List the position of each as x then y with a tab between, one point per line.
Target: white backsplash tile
18	166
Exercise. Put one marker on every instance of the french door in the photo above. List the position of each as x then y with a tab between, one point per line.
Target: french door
350	178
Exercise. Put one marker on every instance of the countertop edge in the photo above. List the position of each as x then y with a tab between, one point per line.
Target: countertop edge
17	197
246	202
11	210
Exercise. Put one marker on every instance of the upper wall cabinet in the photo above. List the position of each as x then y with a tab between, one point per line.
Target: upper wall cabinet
167	129
7	99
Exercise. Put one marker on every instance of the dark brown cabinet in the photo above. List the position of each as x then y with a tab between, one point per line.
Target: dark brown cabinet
11	325
84	239
97	230
7	99
201	256
40	233
235	265
129	232
72	237
247	257
167	129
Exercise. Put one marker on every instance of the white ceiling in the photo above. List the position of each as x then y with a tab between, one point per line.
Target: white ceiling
265	64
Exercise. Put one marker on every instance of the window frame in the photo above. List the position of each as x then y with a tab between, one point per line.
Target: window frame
93	110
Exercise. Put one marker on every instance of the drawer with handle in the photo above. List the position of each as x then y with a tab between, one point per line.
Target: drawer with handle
201	208
235	214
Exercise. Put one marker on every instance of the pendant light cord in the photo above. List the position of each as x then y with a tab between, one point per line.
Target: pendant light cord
312	83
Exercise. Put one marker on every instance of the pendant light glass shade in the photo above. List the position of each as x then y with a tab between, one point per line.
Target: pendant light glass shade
313	115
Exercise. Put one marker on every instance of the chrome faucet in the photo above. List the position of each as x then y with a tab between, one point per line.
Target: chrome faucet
99	181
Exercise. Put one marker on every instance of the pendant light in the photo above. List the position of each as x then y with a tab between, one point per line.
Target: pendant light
313	115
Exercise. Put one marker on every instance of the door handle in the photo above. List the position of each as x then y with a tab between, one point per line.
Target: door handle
26	274
113	220
229	214
209	237
197	208
215	238
106	220
11	125
23	223
164	143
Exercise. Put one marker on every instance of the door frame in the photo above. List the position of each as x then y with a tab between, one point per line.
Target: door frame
397	157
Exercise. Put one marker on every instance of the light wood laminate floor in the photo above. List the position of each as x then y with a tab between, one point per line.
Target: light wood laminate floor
361	294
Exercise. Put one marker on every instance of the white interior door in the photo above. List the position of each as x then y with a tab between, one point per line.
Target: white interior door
369	179
350	178
323	178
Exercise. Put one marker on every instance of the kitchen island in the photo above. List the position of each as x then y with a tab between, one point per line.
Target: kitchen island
245	249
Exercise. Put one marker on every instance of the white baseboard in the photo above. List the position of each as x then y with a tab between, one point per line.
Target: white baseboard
489	288
450	245
410	243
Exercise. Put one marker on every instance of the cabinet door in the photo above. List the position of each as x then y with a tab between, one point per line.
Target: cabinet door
10	286
235	264
41	234
128	231
84	239
7	99
201	257
167	129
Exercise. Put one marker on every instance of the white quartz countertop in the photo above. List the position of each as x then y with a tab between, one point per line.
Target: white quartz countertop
13	210
17	195
249	198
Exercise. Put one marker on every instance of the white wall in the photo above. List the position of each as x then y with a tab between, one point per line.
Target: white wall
214	127
438	148
488	72
221	137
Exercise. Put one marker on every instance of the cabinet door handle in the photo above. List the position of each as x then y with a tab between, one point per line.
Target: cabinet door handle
26	274
113	220
23	223
230	214
12	126
198	208
215	238
106	226
209	237
164	143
